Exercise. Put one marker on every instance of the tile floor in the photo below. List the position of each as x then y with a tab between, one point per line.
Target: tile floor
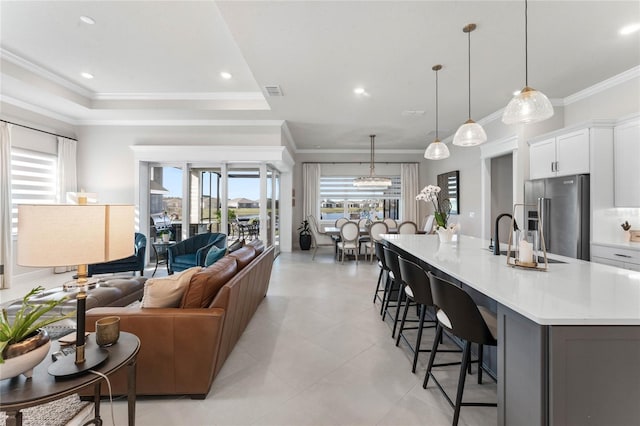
317	353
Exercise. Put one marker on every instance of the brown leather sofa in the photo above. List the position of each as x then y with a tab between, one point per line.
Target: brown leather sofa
183	349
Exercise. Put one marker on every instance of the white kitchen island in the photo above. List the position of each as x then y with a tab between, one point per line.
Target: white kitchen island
569	337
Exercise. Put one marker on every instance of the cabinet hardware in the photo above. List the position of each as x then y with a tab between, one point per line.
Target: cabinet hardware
622	255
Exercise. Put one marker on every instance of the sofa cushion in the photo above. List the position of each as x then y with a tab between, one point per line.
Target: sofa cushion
244	256
236	245
214	254
258	245
204	285
167	292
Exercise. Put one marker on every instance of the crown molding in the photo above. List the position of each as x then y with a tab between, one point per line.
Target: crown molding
178	123
179	96
603	85
37	110
360	151
289	136
44	73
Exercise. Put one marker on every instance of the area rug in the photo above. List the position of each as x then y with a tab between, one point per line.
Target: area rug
54	413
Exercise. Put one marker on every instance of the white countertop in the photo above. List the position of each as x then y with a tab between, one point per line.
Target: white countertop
572	293
618	244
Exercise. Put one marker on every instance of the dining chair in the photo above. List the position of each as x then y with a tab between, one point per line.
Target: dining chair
349	233
375	231
391	223
363	223
408	227
318	239
459	315
341	221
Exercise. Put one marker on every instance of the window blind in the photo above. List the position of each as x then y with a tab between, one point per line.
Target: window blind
33	180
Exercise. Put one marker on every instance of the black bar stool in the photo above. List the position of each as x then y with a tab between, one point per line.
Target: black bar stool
383	270
458	313
397	284
391	285
417	290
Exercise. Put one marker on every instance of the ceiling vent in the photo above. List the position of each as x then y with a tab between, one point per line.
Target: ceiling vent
273	90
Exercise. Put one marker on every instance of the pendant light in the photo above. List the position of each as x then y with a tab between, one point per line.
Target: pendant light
436	149
530	105
372	180
470	133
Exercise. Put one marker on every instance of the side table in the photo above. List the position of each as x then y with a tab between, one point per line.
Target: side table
18	393
161	251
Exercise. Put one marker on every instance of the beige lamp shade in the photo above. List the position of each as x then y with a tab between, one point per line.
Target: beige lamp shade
65	234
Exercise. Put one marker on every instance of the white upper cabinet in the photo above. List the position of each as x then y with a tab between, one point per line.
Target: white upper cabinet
561	155
626	160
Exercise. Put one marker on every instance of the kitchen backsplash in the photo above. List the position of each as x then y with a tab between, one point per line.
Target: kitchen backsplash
606	224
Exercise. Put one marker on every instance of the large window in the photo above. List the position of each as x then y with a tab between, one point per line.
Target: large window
339	198
33	180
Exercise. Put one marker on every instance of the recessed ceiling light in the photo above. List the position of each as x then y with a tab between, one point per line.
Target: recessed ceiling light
87	20
225	75
629	29
87	75
359	91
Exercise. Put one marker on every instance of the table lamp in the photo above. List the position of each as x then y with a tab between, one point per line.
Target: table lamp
66	234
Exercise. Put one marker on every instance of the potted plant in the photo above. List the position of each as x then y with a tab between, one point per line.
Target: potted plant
165	235
305	235
23	342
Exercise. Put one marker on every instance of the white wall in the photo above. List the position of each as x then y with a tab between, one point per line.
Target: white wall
106	162
613	103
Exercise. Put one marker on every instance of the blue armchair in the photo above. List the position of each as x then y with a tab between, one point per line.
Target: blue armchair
193	251
133	263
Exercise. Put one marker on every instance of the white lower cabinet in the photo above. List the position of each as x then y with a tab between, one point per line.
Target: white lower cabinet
620	257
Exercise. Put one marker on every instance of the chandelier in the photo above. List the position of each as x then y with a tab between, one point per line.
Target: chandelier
372	180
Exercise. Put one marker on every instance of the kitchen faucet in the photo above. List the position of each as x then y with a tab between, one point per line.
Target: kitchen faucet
496	242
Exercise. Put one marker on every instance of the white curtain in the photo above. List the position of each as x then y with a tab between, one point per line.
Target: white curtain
67	176
408	192
311	188
6	252
67	179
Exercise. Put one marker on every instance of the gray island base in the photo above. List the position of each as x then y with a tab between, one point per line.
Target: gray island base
569	338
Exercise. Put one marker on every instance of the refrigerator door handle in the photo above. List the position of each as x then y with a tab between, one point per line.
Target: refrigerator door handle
543	204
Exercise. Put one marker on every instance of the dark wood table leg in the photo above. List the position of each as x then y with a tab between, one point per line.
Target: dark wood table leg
157	260
96	406
14	418
131	392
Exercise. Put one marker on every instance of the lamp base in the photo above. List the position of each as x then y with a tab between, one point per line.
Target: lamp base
66	367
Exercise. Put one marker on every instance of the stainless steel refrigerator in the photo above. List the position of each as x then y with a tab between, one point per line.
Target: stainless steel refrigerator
563	203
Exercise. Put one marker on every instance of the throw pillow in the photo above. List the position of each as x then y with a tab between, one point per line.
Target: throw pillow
236	245
204	285
214	255
167	292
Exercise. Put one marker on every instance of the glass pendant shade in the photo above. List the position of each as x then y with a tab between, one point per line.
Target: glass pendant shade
436	151
469	134
528	106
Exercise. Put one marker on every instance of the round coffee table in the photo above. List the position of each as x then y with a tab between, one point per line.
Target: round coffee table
19	393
